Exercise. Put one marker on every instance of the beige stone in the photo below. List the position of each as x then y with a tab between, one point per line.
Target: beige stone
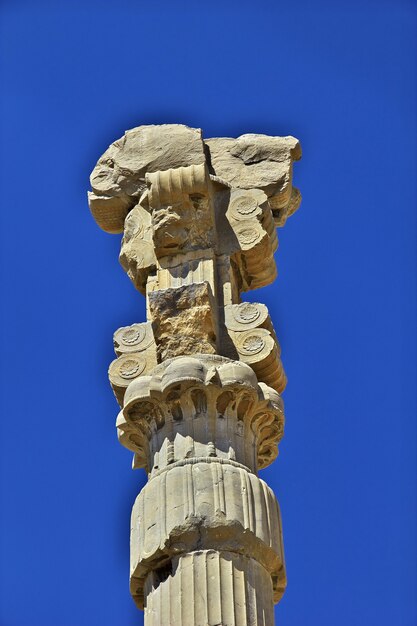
119	175
209	588
218	505
137	252
134	338
183	320
202	406
199	381
253	341
259	162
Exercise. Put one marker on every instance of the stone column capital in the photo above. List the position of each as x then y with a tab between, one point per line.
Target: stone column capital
199	382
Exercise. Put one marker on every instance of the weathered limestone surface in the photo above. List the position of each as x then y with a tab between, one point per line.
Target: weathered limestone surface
199	382
184	320
210	587
118	180
260	162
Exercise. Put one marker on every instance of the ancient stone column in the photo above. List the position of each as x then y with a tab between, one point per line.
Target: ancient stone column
199	382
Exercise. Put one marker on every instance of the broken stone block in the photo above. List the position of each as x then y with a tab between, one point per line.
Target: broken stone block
183	320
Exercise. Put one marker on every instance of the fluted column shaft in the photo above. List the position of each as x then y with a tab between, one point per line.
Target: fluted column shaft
209	588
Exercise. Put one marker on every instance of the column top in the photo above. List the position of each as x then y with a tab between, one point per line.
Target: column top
120	179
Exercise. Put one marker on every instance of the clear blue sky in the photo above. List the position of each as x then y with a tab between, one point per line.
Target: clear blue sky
340	76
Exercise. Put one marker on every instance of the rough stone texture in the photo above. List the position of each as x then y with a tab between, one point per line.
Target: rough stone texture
209	588
118	179
199	382
259	162
183	320
182	213
137	253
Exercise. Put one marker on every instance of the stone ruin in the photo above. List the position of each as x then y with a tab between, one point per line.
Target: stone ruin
199	383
